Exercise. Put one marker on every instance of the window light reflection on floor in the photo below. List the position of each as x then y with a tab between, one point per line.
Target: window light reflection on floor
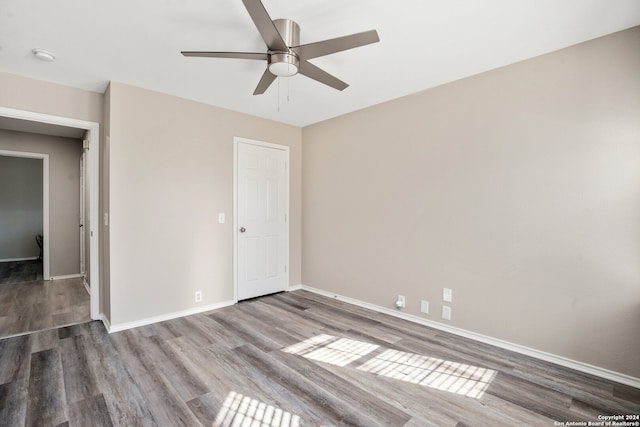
330	349
459	378
242	411
453	377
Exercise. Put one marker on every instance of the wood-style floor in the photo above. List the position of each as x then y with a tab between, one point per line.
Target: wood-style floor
20	271
42	304
286	360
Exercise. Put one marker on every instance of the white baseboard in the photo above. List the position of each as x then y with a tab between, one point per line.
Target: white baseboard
18	259
105	322
86	284
169	316
155	319
66	276
548	357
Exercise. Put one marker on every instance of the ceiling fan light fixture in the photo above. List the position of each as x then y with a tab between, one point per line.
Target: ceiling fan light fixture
282	69
283	64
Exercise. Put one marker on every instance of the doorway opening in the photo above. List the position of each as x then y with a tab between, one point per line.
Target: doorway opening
92	137
24	248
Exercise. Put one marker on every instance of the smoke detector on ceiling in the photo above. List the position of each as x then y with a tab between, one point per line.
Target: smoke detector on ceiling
43	55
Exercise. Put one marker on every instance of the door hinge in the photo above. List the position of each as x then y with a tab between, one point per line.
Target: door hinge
285	268
85	144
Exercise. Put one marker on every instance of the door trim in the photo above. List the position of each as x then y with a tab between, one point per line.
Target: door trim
93	169
236	141
83	219
45	203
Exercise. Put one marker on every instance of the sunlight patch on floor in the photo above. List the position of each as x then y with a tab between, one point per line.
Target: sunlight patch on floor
454	377
330	349
242	411
459	378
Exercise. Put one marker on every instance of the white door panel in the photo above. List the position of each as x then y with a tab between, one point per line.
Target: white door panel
262	228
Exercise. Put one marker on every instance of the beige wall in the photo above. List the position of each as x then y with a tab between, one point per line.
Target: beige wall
518	188
20	207
27	94
171	173
64	194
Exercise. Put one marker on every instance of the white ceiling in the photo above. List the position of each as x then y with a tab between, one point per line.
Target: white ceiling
424	43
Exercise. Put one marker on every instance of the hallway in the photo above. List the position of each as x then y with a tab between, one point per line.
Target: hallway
42	304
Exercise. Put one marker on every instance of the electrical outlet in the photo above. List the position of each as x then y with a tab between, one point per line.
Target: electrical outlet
424	306
198	296
446	312
447	295
401	302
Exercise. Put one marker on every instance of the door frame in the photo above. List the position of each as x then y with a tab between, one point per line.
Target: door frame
83	219
240	140
45	202
93	173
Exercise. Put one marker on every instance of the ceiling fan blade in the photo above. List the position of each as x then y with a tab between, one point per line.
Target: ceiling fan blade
234	55
263	22
264	83
308	69
325	47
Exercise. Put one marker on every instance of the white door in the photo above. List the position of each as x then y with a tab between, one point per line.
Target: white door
262	243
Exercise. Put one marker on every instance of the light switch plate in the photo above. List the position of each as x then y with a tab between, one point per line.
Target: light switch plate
221	218
447	295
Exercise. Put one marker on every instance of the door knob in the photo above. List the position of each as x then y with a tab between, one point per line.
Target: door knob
242	229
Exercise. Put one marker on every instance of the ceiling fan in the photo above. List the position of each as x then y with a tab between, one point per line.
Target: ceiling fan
285	55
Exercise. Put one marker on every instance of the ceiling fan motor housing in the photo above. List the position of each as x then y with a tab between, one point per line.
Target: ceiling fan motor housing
285	63
289	31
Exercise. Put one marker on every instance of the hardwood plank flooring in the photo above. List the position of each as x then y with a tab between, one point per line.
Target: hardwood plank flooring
46	402
42	304
20	271
291	359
